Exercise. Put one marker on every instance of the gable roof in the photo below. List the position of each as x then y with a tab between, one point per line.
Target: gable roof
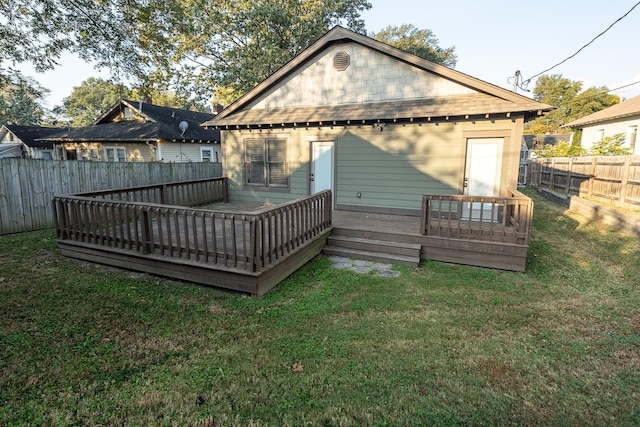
630	107
30	134
487	99
158	123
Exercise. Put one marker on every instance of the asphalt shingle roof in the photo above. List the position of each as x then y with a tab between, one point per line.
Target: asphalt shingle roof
30	134
626	108
162	123
452	106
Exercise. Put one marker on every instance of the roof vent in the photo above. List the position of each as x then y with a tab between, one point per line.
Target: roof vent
341	61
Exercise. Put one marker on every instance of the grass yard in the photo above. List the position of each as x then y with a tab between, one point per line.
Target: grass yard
82	344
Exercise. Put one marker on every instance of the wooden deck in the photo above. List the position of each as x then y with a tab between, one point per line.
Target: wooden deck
252	247
477	249
250	251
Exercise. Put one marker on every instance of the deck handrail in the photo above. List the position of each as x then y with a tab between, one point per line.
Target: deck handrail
503	219
194	192
248	241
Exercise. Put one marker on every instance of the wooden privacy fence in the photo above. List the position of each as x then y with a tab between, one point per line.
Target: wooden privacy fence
496	219
27	185
610	179
248	241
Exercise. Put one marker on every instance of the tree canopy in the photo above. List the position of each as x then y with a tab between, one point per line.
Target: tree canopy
420	42
93	97
21	99
197	45
571	101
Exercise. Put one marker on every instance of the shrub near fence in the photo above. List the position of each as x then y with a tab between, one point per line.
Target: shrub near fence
609	179
27	185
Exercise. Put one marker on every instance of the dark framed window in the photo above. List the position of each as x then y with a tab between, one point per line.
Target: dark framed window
265	162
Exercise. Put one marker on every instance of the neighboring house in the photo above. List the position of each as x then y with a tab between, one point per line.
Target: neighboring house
23	141
529	144
141	132
620	118
376	125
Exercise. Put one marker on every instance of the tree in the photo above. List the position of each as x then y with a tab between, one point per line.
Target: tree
91	98
562	149
422	43
21	99
571	102
187	46
610	146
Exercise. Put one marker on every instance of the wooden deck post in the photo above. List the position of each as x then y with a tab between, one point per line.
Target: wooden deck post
424	215
147	229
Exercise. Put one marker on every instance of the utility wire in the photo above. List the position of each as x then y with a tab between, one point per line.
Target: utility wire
526	82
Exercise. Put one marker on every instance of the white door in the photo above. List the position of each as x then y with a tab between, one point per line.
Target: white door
482	175
321	171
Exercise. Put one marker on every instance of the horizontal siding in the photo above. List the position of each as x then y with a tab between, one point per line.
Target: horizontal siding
390	169
298	168
393	168
184	152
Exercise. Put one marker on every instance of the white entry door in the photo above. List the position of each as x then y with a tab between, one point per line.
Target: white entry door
482	175
321	171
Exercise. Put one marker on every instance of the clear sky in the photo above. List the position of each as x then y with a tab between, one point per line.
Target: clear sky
493	39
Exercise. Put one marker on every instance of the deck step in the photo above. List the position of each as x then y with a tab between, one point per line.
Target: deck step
374	250
374	245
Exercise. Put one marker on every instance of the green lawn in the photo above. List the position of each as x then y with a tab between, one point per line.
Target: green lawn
82	344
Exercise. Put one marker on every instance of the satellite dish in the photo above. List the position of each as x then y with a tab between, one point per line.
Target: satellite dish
183	126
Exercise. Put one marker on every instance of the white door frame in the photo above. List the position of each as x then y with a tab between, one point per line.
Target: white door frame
482	176
483	165
325	178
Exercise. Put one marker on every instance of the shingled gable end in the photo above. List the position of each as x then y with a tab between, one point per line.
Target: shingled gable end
393	125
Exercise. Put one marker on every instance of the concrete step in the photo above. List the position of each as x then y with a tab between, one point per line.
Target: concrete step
373	245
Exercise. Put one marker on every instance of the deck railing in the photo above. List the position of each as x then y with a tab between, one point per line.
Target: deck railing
183	193
248	241
501	219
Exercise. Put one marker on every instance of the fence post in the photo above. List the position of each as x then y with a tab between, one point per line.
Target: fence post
625	179
553	168
592	176
569	173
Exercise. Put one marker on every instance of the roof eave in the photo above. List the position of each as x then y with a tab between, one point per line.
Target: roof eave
341	34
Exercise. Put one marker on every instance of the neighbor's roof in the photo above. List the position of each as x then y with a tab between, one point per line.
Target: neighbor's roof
128	131
159	123
630	107
490	99
30	134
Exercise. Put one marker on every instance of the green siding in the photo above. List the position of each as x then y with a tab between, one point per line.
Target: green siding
391	169
298	169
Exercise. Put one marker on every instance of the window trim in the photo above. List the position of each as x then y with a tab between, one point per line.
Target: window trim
115	157
211	157
266	185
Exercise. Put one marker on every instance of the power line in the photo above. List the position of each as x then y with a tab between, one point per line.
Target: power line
525	83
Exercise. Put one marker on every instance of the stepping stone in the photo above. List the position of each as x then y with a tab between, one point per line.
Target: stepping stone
381	267
389	273
362	263
361	270
342	265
